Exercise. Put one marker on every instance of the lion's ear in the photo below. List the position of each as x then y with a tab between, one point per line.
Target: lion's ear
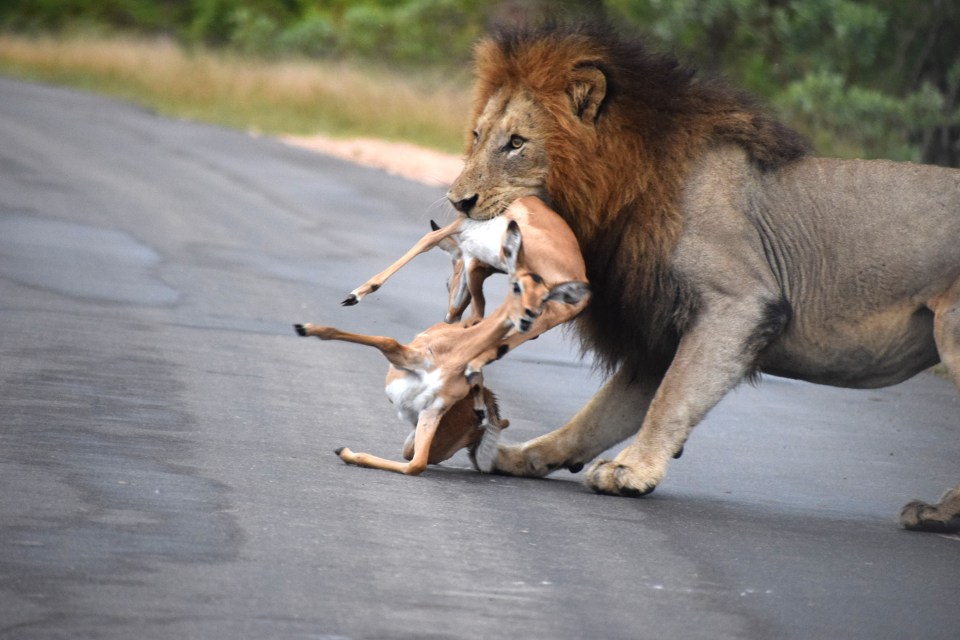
588	87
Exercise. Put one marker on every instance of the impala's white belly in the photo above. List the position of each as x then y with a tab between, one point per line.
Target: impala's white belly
482	240
413	392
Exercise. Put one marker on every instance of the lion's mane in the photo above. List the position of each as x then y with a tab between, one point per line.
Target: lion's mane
619	183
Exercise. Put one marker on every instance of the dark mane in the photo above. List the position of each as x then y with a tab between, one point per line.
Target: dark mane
618	182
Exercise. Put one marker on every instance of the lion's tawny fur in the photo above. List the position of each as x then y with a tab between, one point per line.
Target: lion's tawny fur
717	247
619	183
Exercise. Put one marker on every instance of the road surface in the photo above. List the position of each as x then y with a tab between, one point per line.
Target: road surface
166	449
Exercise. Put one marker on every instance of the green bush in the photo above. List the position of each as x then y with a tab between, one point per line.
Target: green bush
435	31
211	21
313	35
46	15
367	30
253	32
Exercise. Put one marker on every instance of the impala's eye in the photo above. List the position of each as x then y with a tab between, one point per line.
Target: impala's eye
516	288
516	142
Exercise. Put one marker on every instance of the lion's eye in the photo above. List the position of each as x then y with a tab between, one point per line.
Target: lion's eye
516	141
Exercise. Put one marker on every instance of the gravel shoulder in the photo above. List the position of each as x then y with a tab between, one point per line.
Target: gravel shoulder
427	166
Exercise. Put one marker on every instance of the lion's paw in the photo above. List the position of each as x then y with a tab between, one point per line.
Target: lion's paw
920	516
519	460
618	479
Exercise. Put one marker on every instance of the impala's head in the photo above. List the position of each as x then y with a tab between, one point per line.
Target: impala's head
529	294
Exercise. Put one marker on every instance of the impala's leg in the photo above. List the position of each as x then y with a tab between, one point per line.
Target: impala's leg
611	416
408	445
426	429
459	293
477	273
713	356
945	515
425	243
398	354
484	454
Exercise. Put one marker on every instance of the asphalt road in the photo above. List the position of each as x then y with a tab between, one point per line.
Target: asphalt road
166	448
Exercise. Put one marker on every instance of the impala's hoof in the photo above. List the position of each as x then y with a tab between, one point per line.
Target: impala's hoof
351	300
300	329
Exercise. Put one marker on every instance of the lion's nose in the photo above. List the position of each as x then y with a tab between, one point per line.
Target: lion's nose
464	206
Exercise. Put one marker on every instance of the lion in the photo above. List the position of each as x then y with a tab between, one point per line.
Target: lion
718	246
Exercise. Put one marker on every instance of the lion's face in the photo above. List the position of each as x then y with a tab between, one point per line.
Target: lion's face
508	158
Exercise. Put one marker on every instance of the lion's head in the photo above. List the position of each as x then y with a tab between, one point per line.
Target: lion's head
508	157
606	132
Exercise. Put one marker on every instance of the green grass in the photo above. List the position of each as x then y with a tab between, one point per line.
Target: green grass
276	97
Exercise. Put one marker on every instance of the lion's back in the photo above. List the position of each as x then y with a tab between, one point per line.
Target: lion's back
855	251
866	216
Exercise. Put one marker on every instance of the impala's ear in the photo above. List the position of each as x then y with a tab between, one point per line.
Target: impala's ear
588	88
569	292
511	246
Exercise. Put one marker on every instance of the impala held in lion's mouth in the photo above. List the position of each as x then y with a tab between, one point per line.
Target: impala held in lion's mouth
716	246
436	381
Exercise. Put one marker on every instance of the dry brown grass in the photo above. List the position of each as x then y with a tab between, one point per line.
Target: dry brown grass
290	96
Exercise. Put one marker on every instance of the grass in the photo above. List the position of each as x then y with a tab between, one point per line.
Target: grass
286	96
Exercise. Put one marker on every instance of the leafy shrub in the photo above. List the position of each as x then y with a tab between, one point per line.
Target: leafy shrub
435	30
367	30
211	21
840	116
253	32
313	35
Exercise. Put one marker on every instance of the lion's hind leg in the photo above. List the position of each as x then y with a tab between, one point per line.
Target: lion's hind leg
946	330
943	516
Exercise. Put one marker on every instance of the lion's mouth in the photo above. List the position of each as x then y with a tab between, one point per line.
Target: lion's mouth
486	214
492	206
489	210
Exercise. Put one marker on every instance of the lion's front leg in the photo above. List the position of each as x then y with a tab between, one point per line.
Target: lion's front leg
611	416
712	358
